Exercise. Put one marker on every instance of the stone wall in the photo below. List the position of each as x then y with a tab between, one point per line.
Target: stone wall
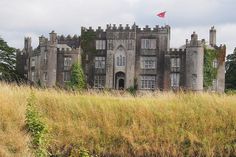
126	41
194	64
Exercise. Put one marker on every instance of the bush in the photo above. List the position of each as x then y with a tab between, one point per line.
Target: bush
77	81
36	128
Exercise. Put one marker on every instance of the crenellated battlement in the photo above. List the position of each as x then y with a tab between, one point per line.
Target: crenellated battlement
90	29
72	41
43	40
99	29
68	37
157	29
120	27
127	28
198	43
175	50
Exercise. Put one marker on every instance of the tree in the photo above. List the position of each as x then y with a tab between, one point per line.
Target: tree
7	62
77	81
230	77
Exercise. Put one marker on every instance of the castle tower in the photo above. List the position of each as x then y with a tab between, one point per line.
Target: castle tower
194	63
27	44
53	38
42	41
120	66
212	37
51	71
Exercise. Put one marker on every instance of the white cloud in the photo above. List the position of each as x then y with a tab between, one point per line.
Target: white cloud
21	18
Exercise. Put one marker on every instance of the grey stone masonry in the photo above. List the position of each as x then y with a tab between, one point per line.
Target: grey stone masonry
50	63
194	63
121	57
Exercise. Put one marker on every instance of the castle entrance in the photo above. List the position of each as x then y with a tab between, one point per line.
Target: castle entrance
120	81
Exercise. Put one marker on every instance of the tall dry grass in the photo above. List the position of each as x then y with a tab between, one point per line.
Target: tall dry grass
118	124
13	137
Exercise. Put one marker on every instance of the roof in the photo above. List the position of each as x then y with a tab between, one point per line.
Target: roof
64	46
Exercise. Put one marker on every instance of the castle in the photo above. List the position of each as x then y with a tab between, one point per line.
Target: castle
123	57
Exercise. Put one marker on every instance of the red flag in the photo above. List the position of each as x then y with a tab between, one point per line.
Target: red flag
162	14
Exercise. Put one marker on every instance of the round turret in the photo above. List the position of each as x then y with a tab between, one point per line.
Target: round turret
194	64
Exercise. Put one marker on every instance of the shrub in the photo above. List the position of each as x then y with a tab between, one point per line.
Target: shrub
36	128
77	81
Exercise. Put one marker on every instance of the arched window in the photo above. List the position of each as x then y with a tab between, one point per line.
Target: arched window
120	60
120	57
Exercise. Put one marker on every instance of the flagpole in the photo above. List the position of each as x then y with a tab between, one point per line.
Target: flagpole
167	20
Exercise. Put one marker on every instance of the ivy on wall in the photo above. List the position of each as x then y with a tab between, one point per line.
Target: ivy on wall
210	73
87	44
87	38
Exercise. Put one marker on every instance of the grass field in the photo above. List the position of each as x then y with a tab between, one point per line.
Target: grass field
118	124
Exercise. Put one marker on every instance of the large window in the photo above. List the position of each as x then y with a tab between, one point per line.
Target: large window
175	64
120	60
33	62
148	43
148	82
45	59
66	76
175	79
100	63
194	80
100	44
148	62
45	76
67	61
99	81
33	77
215	63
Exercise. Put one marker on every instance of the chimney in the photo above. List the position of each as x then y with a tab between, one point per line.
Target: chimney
27	43
212	36
194	37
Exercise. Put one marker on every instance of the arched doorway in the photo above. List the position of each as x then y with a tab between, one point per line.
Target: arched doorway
120	81
121	84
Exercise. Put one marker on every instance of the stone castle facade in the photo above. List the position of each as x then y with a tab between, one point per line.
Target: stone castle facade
123	57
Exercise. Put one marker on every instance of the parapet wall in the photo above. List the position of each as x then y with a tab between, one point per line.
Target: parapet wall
128	28
73	42
175	50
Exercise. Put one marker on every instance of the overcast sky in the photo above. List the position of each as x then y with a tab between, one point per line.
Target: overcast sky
20	18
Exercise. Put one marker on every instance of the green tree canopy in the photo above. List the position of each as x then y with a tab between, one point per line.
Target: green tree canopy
7	62
230	77
77	81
